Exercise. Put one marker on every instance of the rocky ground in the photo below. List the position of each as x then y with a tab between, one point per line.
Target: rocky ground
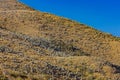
41	46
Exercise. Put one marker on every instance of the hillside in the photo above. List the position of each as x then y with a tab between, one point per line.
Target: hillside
40	46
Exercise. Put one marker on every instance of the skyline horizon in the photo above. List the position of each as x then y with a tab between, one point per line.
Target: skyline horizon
104	18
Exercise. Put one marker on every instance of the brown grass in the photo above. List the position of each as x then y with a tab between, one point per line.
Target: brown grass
41	46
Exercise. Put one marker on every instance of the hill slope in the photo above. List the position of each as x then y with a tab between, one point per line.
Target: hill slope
41	46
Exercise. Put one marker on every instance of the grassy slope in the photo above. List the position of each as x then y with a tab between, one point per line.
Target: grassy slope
41	41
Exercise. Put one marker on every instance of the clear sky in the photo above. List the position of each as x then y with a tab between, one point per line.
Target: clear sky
103	15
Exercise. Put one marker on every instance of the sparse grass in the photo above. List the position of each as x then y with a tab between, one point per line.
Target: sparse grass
43	44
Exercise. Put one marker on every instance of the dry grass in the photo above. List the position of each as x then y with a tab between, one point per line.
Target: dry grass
41	46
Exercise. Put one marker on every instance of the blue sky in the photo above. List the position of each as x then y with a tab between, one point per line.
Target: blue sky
103	15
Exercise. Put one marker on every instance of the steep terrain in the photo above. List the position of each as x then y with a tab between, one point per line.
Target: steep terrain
41	46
